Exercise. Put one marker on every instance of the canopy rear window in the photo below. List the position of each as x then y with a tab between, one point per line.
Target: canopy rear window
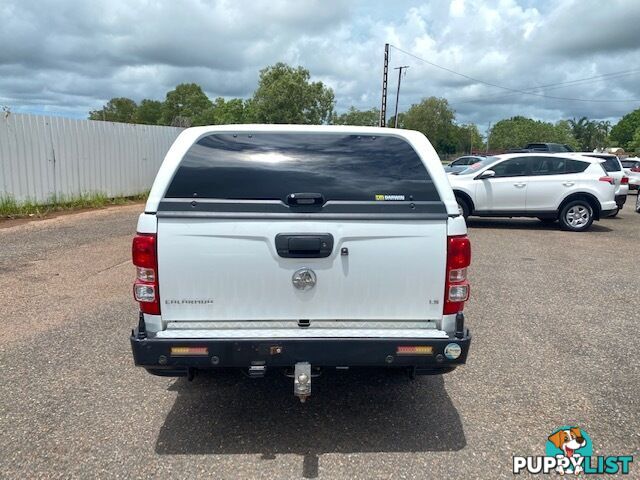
272	166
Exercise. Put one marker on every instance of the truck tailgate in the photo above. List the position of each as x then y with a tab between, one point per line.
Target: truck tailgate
214	270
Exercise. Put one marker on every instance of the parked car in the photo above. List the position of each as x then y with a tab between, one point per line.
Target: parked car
461	163
631	167
542	147
296	248
574	189
613	167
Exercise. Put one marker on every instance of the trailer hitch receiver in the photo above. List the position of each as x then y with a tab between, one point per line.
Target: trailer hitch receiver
302	381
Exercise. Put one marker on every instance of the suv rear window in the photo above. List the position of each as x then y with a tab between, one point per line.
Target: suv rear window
630	163
611	163
271	166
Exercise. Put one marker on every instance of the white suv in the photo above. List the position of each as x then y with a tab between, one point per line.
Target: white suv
573	189
612	165
268	247
631	168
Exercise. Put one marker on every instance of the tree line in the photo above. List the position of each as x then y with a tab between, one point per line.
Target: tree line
286	94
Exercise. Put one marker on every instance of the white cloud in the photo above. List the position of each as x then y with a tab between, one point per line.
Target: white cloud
456	9
72	55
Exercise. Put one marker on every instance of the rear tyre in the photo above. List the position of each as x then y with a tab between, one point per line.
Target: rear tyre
463	207
576	216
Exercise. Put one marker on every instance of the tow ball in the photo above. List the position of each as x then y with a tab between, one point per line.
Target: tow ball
302	380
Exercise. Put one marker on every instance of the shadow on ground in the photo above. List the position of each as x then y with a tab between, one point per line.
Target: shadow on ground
527	224
349	412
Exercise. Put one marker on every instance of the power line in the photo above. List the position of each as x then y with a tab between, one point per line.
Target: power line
514	90
555	86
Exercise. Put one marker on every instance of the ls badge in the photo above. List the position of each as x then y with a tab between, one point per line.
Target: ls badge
304	279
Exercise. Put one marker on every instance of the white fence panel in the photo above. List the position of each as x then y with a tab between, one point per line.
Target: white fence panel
42	158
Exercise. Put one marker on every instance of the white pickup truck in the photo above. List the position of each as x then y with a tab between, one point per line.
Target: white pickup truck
301	248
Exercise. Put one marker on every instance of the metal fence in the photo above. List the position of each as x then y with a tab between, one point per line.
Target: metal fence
44	158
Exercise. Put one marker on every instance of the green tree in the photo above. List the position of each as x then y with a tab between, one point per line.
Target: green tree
353	116
435	118
148	112
391	123
286	95
468	138
224	112
184	105
589	134
580	130
634	145
119	109
623	132
516	132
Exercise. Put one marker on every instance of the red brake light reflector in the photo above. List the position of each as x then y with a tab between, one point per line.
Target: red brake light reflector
145	288
189	351
608	180
459	252
143	250
624	181
456	290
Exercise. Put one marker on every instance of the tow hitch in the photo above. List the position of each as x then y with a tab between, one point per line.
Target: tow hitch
302	380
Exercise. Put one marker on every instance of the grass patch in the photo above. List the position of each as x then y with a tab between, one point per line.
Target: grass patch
10	208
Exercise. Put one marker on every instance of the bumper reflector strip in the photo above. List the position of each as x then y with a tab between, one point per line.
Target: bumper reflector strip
414	350
189	351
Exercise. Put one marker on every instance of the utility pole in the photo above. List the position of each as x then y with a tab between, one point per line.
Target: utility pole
488	136
385	73
395	117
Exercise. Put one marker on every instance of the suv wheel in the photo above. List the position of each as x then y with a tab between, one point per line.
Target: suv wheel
576	216
463	207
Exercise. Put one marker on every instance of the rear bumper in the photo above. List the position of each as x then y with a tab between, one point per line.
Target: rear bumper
608	213
160	357
621	200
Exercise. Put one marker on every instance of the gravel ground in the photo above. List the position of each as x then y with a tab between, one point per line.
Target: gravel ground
554	317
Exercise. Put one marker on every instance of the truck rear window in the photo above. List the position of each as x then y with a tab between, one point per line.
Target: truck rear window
271	166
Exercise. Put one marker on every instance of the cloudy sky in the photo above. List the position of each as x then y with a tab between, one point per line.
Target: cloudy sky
67	57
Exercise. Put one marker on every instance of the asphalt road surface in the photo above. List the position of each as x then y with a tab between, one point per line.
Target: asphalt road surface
555	324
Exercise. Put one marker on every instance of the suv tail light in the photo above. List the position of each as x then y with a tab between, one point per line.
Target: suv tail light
608	180
636	169
456	290
624	181
145	258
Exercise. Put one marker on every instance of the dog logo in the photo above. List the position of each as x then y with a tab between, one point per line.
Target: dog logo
570	442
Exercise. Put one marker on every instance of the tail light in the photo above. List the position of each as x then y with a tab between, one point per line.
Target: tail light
636	169
624	181
456	285
608	180
145	259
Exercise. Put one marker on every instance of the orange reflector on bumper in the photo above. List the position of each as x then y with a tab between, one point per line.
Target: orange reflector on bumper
178	351
415	350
